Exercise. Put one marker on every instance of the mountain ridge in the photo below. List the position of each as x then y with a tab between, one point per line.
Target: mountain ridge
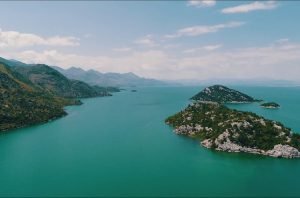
94	77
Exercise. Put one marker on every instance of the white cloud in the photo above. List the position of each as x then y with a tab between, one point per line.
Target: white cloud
272	62
122	49
206	48
201	3
245	8
147	41
13	39
202	29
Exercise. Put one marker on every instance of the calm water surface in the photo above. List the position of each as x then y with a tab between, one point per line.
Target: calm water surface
120	146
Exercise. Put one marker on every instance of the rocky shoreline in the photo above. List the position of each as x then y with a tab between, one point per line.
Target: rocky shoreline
223	143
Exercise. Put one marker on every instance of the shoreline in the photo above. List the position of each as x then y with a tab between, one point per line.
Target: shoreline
279	150
223	144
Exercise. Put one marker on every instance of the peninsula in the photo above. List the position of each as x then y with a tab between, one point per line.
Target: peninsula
32	94
223	129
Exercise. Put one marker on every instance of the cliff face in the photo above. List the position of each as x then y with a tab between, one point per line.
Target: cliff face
222	94
221	128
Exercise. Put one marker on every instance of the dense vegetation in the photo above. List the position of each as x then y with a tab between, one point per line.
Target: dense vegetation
33	94
222	94
22	104
210	120
50	80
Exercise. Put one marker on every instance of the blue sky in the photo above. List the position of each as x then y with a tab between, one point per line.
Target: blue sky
165	40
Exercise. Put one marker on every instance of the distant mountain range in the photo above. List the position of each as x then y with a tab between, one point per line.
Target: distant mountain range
108	79
93	77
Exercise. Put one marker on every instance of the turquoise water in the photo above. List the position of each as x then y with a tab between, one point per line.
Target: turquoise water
120	146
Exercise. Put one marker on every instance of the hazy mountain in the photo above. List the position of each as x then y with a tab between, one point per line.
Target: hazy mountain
108	79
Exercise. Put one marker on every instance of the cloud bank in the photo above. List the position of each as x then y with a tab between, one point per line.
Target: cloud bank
278	60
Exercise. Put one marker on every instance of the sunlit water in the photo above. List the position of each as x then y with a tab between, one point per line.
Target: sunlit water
120	146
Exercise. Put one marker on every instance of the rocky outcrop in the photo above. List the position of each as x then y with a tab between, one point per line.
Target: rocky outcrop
223	143
279	151
285	151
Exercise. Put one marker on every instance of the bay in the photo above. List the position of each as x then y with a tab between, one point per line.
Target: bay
120	146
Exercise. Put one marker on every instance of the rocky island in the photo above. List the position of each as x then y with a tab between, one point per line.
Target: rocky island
270	105
222	94
223	129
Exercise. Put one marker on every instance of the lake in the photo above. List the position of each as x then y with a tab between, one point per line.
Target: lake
120	146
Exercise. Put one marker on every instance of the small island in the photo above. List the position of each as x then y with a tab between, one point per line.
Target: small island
270	105
222	94
221	128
